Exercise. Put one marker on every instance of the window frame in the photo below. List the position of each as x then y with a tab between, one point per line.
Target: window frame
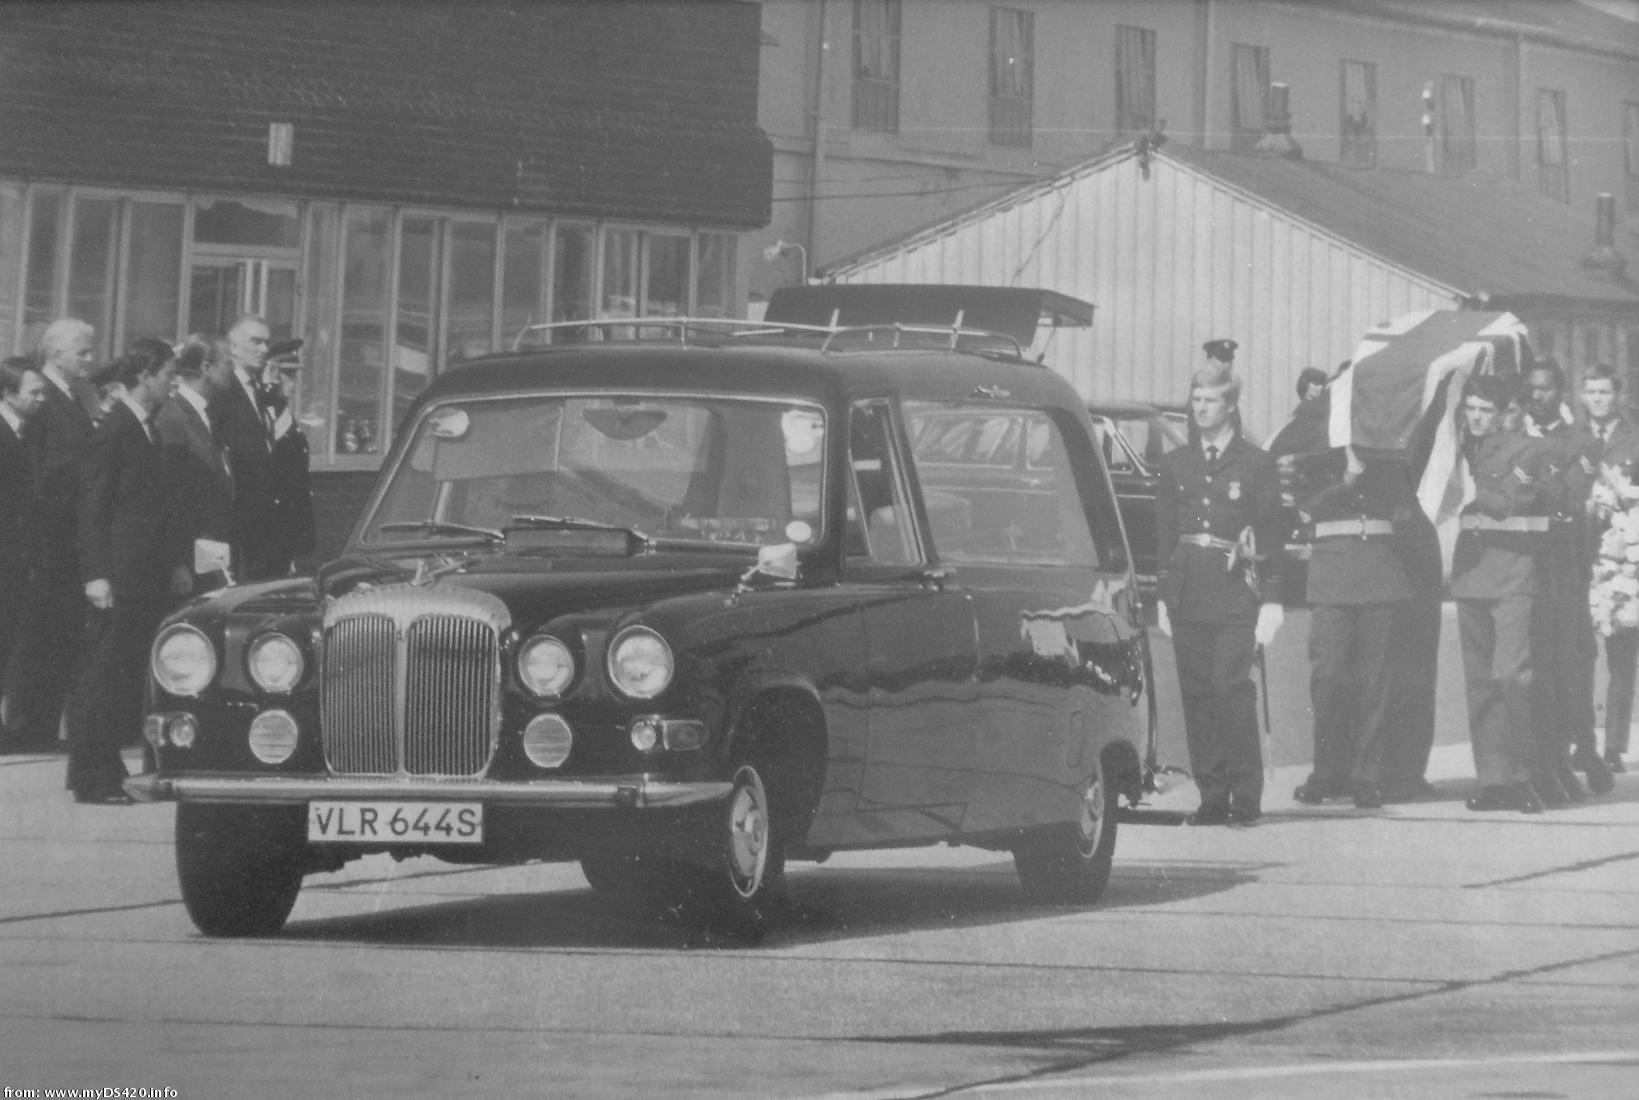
1357	149
1244	134
875	100
1553	148
1012	117
1458	152
1140	118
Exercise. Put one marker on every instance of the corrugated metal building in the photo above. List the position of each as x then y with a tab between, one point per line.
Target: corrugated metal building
1293	259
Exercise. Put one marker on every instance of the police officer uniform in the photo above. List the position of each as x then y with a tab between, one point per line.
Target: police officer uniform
1494	581
1563	632
1218	528
1357	583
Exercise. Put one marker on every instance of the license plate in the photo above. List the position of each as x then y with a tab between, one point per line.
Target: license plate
400	822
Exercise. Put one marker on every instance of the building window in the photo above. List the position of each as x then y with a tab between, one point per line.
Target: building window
1012	35
469	299
1359	123
1630	146
1134	80
361	366
876	65
1553	173
1457	144
714	269
13	204
574	269
1248	93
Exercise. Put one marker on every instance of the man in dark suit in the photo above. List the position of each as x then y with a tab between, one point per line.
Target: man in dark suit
1357	584
1617	443
127	553
293	502
196	469
1219	541
1494	581
53	618
22	388
242	419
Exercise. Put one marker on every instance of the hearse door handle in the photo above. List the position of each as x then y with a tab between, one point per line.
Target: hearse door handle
937	577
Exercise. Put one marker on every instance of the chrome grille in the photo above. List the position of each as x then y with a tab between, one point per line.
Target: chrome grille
412	681
448	695
359	693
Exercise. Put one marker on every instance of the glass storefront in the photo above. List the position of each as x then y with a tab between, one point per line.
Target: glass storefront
385	297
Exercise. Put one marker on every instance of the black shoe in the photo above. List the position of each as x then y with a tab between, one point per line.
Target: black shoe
1600	780
1368	798
1215	814
1526	800
111	796
1244	815
1495	798
1313	793
1613	762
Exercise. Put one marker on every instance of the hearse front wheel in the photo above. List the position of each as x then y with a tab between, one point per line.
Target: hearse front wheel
1070	864
736	896
239	867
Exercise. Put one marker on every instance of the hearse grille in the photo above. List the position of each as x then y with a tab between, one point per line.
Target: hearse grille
411	682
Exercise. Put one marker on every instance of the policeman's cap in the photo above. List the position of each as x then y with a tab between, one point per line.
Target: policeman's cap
282	354
1221	350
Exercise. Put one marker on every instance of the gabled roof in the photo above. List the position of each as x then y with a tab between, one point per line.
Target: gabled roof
1482	236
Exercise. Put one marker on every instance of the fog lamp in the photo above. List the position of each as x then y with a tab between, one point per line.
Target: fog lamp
272	736
645	734
183	731
547	740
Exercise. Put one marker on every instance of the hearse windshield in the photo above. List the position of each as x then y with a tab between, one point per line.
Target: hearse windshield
664	467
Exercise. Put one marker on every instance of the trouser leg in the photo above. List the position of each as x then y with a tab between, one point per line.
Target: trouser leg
1237	703
1332	695
1193	646
1621	658
1373	636
1413	675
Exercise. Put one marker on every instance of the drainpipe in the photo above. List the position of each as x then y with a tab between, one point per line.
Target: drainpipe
816	123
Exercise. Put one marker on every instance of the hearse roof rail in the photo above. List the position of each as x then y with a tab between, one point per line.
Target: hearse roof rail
720	331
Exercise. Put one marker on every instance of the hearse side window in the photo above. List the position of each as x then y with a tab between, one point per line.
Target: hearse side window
1025	512
880	528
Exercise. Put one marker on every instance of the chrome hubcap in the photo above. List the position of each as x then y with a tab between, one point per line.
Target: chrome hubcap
748	832
1091	824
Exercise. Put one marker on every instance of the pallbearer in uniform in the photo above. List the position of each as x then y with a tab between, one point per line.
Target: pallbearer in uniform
1357	585
1562	632
1618	446
1494	581
1219	529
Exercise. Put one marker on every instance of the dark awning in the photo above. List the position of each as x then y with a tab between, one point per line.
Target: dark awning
1012	311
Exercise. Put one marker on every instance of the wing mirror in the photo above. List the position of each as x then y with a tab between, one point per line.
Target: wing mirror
776	564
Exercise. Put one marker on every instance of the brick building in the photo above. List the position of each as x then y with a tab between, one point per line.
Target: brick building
400	184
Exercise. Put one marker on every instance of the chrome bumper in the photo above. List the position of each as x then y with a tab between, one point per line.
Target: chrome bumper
612	793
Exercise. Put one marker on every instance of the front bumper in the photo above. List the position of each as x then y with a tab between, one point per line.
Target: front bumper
624	792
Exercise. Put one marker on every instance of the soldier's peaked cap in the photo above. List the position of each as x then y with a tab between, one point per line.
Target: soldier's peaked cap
1221	350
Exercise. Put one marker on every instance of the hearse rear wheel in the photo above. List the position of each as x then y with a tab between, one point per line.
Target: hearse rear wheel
239	867
1070	864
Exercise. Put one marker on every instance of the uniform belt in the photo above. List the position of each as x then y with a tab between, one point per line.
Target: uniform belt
1206	542
1360	527
1472	522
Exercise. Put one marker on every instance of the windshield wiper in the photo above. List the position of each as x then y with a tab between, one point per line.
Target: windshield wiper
577	523
443	527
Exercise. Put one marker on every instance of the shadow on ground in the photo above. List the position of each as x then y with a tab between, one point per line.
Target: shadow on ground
823	905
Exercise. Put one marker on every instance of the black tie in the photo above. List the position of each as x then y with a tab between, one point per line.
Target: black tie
1211	454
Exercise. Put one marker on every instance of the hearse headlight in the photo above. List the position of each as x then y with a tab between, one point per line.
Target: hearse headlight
545	666
275	663
640	663
184	660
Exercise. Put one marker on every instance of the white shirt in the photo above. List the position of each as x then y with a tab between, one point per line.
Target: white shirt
55	376
1219	439
9	415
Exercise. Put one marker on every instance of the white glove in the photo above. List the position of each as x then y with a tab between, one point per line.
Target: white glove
1163	621
1270	616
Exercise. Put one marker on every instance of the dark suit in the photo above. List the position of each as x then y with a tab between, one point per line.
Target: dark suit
1357	583
53	619
241	429
202	488
1213	607
126	538
17	538
1622	647
1494	581
294	522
